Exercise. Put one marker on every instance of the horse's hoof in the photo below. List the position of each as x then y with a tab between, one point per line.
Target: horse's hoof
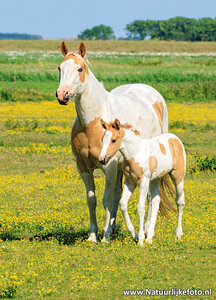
135	237
92	238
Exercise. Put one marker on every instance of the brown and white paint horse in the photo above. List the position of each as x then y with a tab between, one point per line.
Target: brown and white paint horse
138	106
146	162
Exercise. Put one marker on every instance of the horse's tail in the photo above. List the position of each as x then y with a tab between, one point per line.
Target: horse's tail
165	187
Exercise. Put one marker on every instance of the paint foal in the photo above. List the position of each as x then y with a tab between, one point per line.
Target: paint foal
145	163
140	106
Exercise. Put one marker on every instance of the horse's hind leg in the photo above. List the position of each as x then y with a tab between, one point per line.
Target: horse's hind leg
117	197
180	201
88	180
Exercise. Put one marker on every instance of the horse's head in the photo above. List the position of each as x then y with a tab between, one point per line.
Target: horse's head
73	74
111	141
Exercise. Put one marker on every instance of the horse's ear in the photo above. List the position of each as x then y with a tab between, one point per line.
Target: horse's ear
117	124
103	124
82	50
64	49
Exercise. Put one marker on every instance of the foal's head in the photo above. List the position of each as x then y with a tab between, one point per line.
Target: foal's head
111	141
73	74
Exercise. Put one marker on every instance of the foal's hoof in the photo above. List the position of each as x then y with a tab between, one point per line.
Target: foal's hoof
140	243
92	238
105	240
148	241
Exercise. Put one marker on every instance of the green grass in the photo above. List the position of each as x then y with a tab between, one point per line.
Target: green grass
44	220
34	76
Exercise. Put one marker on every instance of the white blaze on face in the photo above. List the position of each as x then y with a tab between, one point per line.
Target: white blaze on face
105	144
69	79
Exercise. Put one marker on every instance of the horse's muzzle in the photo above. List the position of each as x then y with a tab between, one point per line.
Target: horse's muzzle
63	98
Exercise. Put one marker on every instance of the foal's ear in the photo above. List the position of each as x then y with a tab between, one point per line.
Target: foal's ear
117	124
82	50
103	124
64	49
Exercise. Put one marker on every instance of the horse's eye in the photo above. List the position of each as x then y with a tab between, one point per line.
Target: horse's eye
113	141
80	70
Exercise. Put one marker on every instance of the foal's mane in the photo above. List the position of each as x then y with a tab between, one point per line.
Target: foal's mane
125	126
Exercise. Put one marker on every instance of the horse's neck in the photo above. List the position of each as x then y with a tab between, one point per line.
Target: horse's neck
91	104
131	145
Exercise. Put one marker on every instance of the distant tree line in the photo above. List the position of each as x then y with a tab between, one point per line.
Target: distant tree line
19	36
179	29
101	32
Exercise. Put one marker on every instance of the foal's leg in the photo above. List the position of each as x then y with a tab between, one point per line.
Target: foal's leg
108	198
117	197
180	201
126	194
91	200
149	212
154	189
144	187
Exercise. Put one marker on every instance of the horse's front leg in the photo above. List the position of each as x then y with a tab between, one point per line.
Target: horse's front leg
88	180
108	198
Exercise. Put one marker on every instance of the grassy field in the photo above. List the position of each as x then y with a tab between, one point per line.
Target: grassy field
119	46
33	75
44	219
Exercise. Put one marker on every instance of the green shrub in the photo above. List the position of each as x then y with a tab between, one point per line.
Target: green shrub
203	162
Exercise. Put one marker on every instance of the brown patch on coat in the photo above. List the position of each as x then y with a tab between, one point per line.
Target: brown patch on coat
136	132
127	126
152	164
79	61
86	142
159	108
165	172
132	170
176	149
162	148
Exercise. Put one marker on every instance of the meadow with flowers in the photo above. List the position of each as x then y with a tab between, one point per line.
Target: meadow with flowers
44	219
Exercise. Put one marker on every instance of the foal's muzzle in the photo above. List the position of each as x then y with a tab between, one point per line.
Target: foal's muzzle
104	160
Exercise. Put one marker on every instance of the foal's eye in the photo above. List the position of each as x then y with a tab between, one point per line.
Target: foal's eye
59	69
113	141
80	70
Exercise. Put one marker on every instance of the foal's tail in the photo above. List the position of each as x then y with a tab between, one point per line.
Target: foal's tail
165	187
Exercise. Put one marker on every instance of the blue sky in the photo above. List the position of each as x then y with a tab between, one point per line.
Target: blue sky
62	19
